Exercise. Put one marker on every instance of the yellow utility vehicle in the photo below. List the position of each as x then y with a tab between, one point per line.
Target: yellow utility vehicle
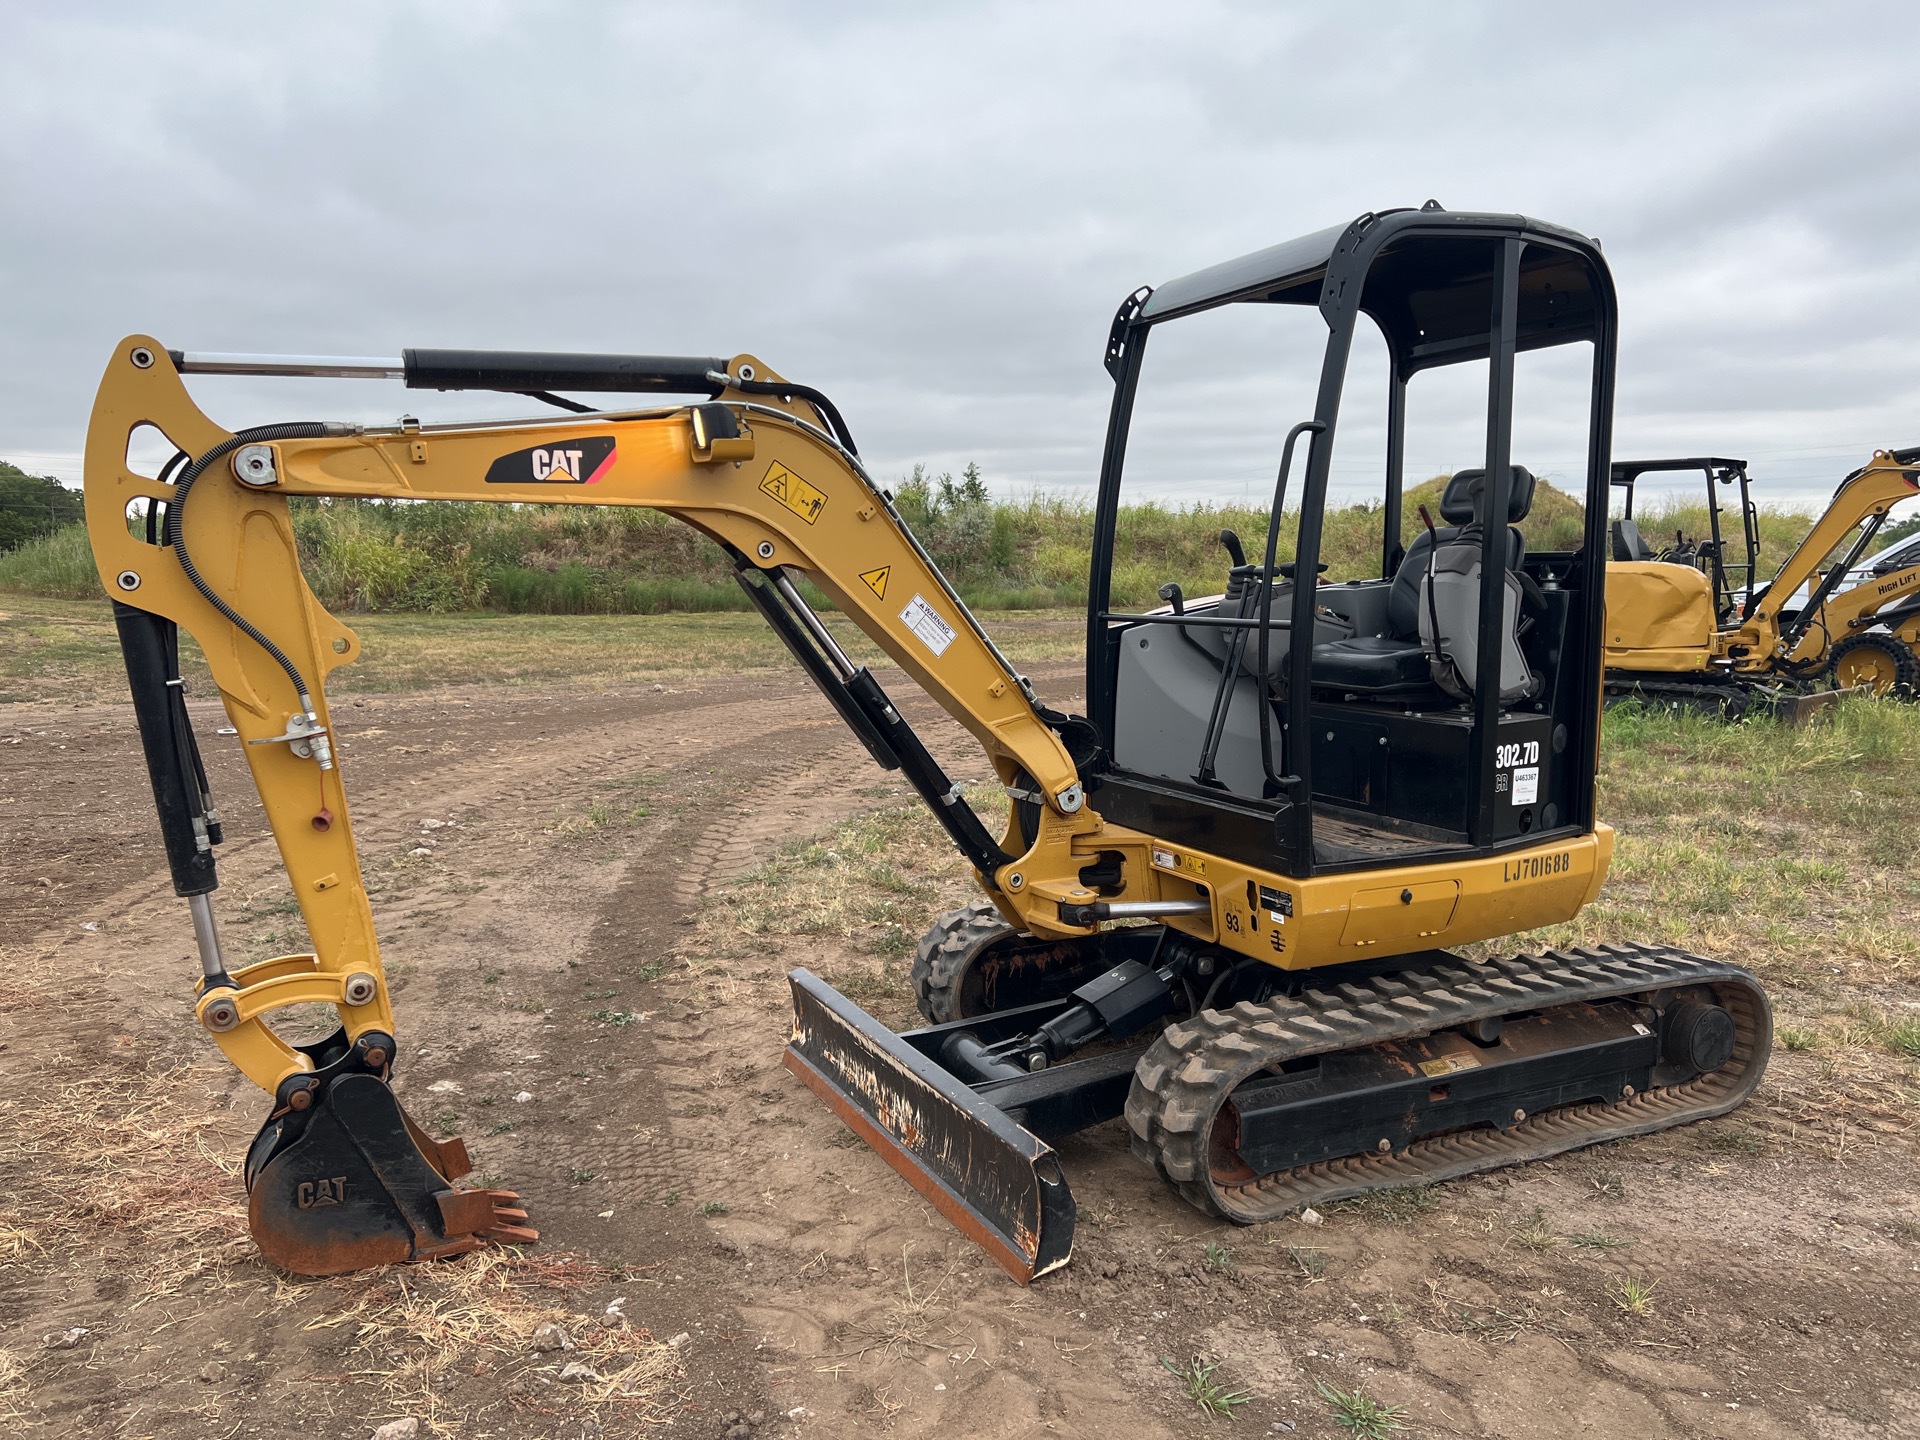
1214	905
1690	625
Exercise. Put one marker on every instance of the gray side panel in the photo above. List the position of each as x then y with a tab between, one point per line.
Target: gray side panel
1214	639
1162	697
1362	603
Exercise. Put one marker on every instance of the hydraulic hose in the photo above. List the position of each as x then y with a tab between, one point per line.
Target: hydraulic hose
176	537
807	393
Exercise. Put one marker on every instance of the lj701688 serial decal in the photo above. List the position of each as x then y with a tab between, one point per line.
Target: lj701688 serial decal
1536	867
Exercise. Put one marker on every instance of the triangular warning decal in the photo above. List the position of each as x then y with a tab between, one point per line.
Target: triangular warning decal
877	580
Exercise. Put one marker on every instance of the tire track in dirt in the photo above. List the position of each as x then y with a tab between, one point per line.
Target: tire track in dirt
128	977
862	1304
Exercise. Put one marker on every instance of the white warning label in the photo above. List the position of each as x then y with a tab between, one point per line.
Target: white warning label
1526	785
925	622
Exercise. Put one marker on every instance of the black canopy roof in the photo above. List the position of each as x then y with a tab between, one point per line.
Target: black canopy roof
1428	280
1624	472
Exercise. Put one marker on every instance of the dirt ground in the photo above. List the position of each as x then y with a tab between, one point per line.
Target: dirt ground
550	873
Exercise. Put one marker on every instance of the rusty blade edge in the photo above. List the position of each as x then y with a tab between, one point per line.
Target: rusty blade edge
962	1215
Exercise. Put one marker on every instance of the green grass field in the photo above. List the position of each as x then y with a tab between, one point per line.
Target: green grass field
53	650
385	558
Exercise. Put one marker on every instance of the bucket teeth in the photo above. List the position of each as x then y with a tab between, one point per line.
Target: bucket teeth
509	1225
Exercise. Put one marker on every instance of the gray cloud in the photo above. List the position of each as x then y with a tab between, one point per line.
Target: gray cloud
932	213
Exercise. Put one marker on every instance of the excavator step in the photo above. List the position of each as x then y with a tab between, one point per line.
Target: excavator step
995	1180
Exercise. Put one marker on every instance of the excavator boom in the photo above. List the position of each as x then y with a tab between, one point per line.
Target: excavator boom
340	1177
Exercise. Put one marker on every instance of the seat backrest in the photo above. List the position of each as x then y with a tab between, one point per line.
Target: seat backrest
1449	621
1403	600
1627	544
1460	505
1461	502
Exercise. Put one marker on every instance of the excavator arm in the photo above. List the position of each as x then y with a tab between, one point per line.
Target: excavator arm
340	1177
1859	506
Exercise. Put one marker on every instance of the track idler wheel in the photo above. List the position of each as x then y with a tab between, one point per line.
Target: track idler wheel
340	1178
971	962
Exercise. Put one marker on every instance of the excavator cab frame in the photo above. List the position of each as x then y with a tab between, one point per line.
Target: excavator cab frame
1240	956
1729	600
1442	288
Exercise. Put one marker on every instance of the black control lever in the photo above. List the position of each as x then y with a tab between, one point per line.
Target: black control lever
1171	593
1235	550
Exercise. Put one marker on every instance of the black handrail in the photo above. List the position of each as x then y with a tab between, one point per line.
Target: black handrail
1271	784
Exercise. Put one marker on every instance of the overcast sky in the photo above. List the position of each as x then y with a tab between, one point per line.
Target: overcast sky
931	212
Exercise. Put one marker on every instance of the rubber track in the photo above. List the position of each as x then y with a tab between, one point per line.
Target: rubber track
1187	1074
1731	699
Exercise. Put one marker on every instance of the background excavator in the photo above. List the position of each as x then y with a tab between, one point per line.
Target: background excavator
1693	625
1215	904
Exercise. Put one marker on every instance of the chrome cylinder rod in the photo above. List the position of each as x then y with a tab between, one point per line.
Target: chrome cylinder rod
213	964
332	367
804	612
1150	909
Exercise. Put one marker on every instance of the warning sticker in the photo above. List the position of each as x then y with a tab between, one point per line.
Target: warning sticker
1449	1065
925	621
1174	860
877	580
794	493
1526	785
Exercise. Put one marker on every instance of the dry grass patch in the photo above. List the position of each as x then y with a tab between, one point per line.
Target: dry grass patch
414	1327
871	884
907	1325
120	1157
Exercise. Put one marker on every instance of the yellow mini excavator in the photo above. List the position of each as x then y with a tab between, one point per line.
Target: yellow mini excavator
1218	901
1682	629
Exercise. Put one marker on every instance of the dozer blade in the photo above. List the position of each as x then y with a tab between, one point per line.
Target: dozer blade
1794	711
350	1182
998	1183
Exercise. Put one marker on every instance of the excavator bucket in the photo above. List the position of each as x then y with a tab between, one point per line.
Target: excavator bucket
999	1183
348	1181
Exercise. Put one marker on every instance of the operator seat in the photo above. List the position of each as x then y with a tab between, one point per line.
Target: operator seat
1627	544
1398	662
